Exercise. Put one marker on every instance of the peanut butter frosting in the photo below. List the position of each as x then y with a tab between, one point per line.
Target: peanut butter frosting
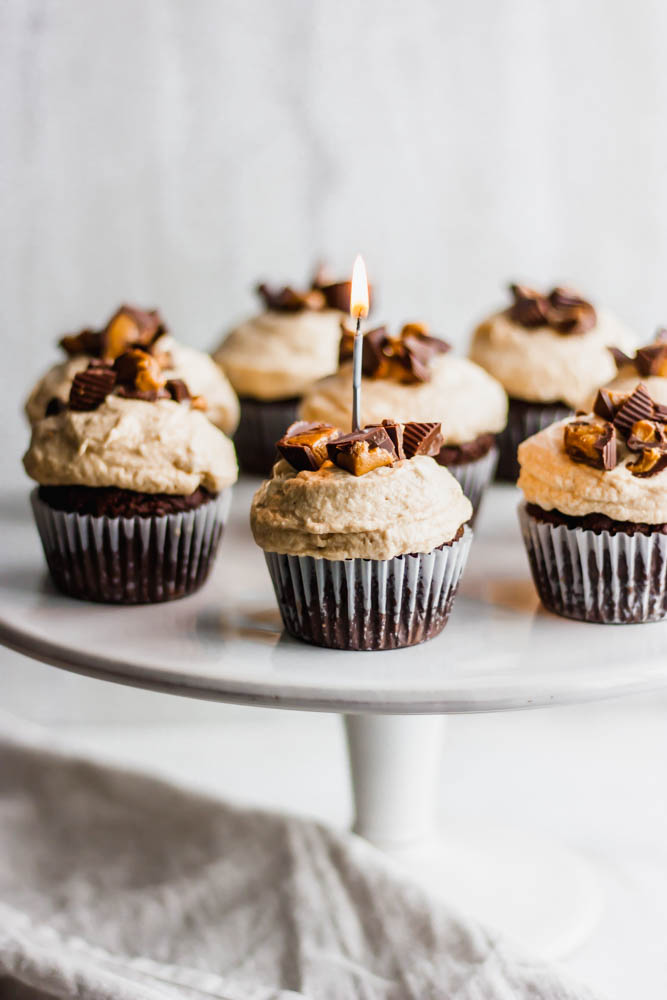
550	479
540	365
200	373
461	395
278	355
412	506
148	447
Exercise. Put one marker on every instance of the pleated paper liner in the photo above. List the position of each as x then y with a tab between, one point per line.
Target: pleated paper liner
131	560
260	426
368	603
524	420
475	476
613	579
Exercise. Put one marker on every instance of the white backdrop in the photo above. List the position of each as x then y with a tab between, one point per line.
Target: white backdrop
172	152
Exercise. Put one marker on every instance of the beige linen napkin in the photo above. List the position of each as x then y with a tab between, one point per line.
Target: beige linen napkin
117	886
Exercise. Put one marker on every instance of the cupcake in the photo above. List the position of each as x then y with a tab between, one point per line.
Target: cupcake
133	484
647	364
145	330
594	517
551	353
365	535
416	378
273	358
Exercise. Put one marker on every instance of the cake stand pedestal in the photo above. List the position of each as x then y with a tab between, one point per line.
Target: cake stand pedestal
500	651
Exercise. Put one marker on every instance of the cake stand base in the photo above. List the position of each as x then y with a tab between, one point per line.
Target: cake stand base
538	893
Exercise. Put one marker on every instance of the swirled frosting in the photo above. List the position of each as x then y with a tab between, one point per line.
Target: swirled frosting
160	447
461	395
412	506
278	355
199	372
550	479
542	366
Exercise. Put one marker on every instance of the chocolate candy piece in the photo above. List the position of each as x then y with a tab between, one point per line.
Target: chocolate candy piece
647	434
362	451
620	357
650	462
85	342
136	370
90	388
422	439
592	443
128	327
652	360
374	359
607	403
563	310
529	308
287	299
395	432
304	445
178	390
637	406
54	407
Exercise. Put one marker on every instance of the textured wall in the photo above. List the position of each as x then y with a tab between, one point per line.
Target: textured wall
173	152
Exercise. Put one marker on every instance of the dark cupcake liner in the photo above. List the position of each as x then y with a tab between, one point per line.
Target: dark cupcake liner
597	576
523	420
260	426
475	476
130	560
368	603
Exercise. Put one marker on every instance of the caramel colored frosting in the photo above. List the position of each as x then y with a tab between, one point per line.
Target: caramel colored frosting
540	365
412	506
461	395
277	355
550	479
199	372
160	447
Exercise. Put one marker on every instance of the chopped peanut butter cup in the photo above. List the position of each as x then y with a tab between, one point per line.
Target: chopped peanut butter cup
592	443
304	445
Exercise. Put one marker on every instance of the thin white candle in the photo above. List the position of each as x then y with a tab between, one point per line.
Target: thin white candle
358	310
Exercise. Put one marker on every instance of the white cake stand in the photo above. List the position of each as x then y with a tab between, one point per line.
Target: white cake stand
500	651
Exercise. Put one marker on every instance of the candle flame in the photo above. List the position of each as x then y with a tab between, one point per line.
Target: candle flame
359	293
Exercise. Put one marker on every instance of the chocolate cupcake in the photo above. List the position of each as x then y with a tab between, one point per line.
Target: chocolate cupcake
414	376
143	329
365	535
273	358
594	518
133	485
550	352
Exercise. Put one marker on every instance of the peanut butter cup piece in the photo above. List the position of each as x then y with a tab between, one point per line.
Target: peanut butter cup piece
304	445
130	327
651	461
395	432
422	439
607	403
652	360
90	388
178	390
139	373
362	451
591	443
637	406
647	434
